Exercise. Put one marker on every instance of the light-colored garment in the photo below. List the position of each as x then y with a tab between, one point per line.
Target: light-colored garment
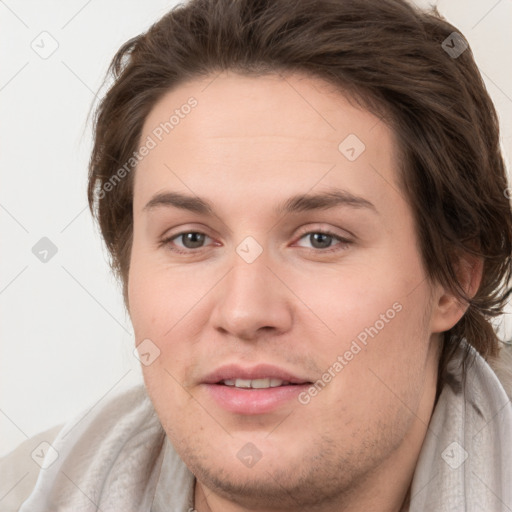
117	457
110	460
465	462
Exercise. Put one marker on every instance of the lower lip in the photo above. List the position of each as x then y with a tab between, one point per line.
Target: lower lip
253	401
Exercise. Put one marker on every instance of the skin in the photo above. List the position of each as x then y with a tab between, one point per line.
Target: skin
250	144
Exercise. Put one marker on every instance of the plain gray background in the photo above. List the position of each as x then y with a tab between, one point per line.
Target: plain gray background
66	341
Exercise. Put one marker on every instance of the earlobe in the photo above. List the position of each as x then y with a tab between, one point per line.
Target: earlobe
448	307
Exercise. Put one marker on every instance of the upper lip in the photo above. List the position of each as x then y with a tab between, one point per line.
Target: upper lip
261	371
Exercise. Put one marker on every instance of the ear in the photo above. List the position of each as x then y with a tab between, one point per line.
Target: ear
447	308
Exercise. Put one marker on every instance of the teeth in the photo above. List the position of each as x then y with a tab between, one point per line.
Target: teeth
242	383
260	383
255	383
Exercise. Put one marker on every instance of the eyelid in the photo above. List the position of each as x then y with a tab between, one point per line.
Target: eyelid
202	229
349	237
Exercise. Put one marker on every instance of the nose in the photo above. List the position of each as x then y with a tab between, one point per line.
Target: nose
252	300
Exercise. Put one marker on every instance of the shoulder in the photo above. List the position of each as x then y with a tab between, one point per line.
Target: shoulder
502	367
20	469
93	436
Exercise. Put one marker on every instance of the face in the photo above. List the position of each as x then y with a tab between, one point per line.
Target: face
273	246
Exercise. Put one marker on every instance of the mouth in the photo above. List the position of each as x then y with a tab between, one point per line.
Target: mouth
264	383
250	391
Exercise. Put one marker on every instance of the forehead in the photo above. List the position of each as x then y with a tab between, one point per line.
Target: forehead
267	132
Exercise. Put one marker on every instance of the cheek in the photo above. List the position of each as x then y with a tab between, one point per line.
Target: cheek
161	300
158	295
359	303
155	308
375	356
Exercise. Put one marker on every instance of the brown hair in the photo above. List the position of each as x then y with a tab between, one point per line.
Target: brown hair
386	54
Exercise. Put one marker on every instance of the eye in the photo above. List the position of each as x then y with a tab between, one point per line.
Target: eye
322	240
189	240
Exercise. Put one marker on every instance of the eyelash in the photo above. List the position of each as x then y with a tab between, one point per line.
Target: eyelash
341	246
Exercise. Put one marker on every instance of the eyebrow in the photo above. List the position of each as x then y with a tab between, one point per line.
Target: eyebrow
295	204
